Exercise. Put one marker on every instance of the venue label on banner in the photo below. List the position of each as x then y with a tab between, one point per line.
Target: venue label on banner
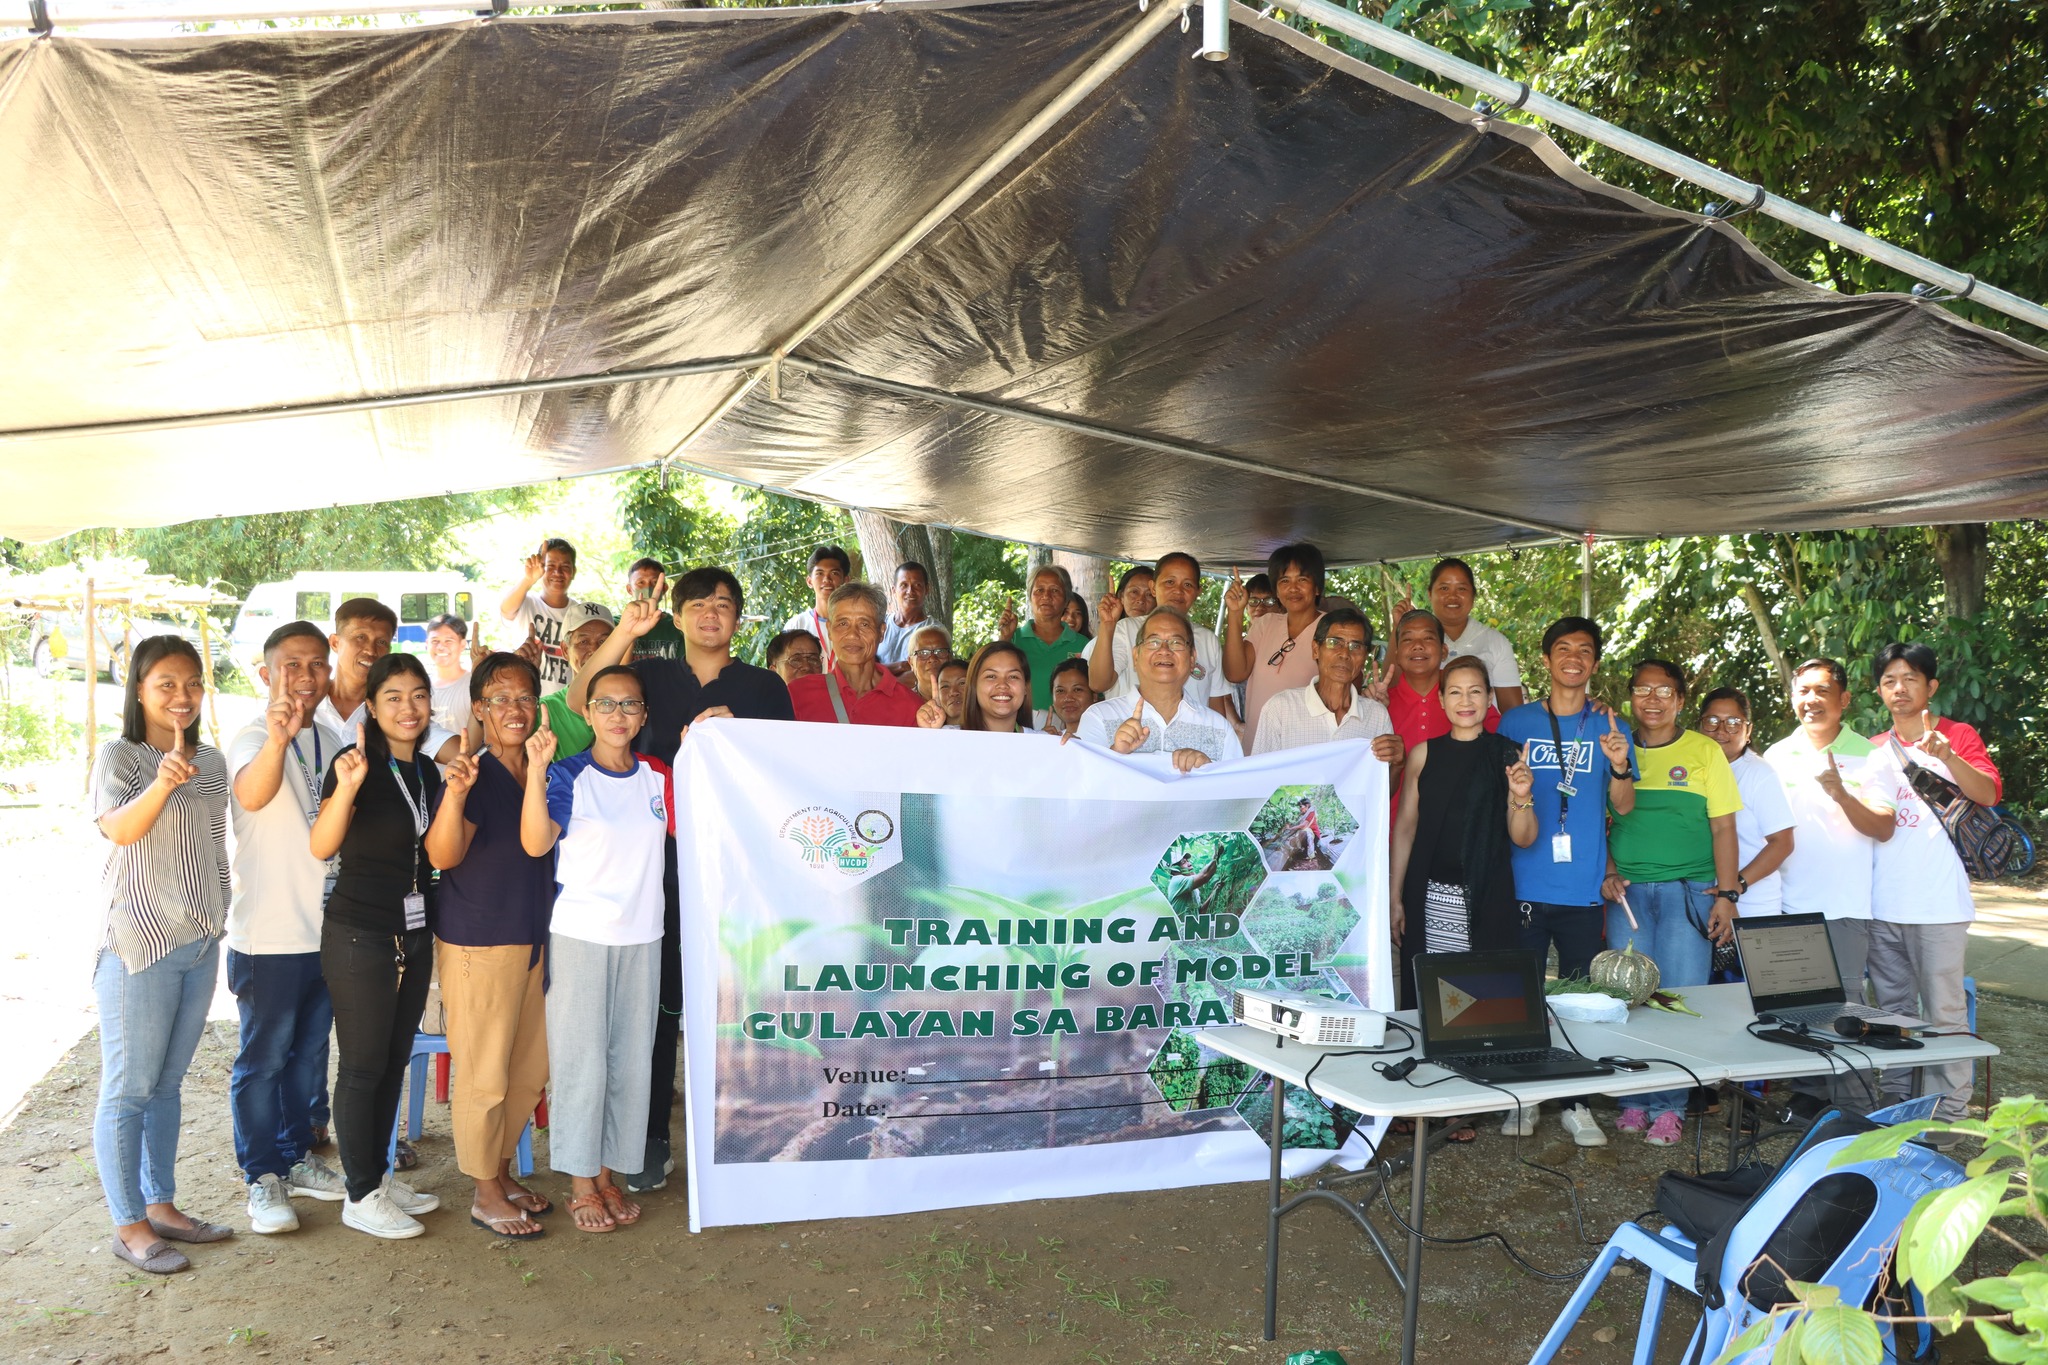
991	982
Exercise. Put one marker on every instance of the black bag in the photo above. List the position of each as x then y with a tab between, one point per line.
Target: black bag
1706	1209
1990	844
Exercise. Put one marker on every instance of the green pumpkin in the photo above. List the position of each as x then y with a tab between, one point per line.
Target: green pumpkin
1626	970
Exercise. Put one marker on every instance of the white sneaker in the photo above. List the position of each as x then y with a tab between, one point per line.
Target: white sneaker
270	1206
1584	1129
406	1198
375	1214
1519	1122
316	1179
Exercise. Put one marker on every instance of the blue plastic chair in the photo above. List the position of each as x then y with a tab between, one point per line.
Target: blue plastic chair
1671	1259
425	1046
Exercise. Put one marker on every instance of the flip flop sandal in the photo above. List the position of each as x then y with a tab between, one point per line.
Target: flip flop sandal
539	1207
615	1205
1402	1127
1460	1131
580	1202
495	1228
200	1231
160	1259
407	1157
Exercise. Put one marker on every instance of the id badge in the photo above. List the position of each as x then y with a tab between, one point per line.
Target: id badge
1560	847
1567	790
415	911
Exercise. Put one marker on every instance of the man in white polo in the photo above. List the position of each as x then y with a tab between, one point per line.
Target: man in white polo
1840	787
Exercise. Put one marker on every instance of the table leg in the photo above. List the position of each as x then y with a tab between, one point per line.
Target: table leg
1411	1300
1273	1210
1736	1097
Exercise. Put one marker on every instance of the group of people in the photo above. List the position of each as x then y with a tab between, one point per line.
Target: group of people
504	822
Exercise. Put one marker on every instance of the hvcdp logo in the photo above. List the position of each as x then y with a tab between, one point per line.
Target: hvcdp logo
824	838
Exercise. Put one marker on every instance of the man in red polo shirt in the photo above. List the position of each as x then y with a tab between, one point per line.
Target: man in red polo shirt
1413	700
857	689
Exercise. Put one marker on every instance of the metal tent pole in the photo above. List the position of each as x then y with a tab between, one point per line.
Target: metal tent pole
1586	576
1731	188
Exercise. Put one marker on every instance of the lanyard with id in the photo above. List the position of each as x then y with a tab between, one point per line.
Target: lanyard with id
311	777
415	900
1567	764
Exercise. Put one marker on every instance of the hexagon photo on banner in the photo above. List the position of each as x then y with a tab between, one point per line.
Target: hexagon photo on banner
1300	915
1304	829
1209	874
1188	1076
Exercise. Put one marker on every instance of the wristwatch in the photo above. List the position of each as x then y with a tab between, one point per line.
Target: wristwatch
1742	879
1730	896
1619	774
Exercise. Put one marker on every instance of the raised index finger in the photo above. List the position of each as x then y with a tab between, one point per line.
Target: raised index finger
1138	710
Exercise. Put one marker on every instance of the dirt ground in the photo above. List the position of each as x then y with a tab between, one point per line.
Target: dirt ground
1168	1276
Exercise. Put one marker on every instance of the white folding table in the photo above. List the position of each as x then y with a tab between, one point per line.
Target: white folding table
1713	1048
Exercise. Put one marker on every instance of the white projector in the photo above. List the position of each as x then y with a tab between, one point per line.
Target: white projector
1309	1018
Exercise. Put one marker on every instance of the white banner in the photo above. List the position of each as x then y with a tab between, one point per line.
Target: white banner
927	969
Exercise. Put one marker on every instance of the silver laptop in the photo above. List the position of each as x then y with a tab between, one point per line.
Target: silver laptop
1789	966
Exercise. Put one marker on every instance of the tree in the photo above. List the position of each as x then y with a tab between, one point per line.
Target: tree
243	551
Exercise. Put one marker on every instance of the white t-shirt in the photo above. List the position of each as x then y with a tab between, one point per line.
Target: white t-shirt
451	704
1920	876
547	622
345	726
1299	716
1194	726
608	862
1491	646
809	621
279	885
1205	679
1831	869
1764	812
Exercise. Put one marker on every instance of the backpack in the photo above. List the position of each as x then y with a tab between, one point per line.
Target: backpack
1990	843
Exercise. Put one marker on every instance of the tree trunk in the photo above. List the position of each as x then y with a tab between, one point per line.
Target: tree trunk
1965	554
1090	574
886	545
1761	610
879	552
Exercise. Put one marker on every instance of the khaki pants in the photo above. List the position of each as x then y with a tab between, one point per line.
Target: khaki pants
498	1043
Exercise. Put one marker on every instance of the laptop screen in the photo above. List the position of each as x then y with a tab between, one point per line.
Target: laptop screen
1477	1002
1788	961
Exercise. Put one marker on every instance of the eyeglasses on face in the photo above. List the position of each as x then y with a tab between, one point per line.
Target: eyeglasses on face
1172	644
1661	691
520	703
605	706
930	654
1730	723
1339	643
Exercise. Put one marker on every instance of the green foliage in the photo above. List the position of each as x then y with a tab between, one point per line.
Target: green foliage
2008	1181
1177	1071
1306	1122
244	551
1286	921
1224	1081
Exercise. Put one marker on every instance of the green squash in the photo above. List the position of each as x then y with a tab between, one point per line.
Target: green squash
1627	971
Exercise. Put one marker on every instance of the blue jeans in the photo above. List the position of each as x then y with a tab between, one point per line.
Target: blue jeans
149	1028
1671	919
285	1013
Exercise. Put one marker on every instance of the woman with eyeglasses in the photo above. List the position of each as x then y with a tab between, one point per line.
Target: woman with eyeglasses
1763	827
1000	700
606	814
1275	652
490	943
376	935
1671	886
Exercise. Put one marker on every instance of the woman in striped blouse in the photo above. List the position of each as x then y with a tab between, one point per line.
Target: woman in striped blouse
161	797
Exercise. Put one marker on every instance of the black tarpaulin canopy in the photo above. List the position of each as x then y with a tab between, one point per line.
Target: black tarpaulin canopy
1035	272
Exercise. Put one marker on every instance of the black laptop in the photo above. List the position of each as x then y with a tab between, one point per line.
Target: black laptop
1483	1017
1789	966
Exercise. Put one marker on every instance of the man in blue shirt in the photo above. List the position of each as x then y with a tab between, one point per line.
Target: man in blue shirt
1584	764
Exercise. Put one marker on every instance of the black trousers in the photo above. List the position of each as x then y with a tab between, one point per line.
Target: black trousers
668	1025
378	983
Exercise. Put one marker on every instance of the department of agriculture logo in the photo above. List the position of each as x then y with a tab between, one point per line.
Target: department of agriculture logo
826	839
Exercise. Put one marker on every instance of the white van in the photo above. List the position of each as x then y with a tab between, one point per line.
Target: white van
312	595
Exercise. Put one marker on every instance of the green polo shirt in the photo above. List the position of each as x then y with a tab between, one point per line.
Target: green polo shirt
1044	658
572	733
